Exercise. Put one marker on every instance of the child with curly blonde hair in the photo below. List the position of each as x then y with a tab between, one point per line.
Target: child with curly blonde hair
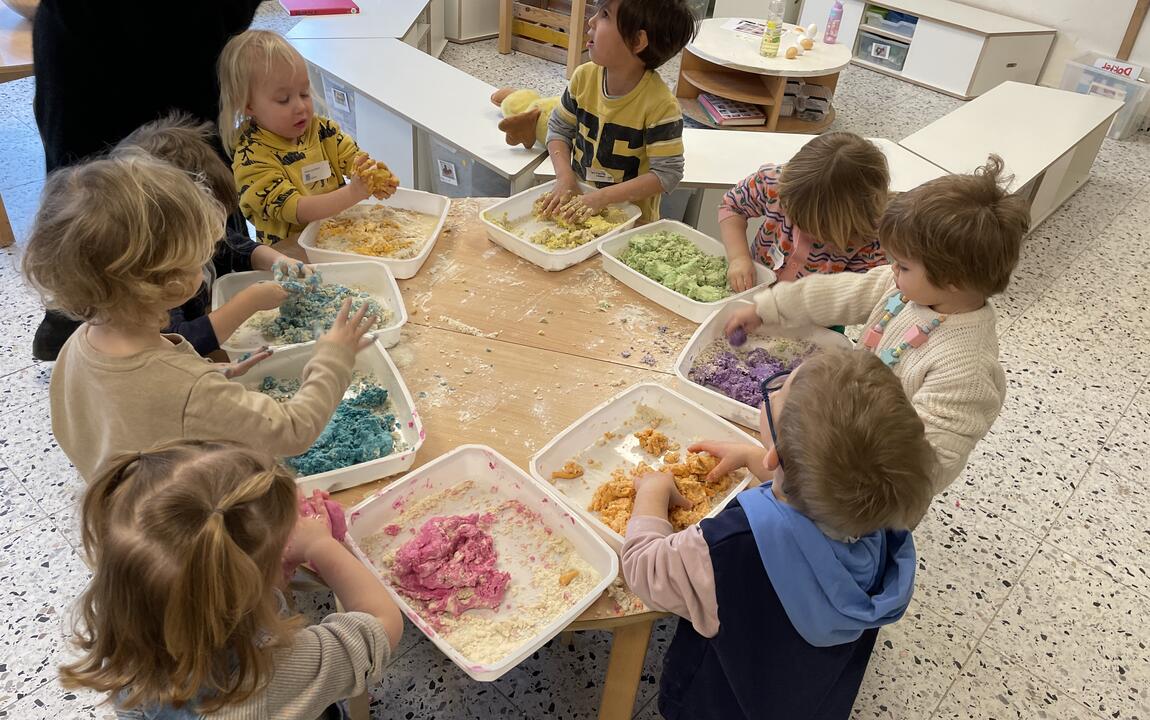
289	163
118	243
184	615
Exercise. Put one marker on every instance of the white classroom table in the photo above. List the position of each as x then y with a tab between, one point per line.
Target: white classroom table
716	160
1048	139
402	92
375	19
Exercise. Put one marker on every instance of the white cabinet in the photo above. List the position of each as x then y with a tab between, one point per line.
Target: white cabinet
469	20
754	9
961	50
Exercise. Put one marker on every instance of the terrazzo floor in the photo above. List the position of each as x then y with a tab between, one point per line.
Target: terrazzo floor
1033	596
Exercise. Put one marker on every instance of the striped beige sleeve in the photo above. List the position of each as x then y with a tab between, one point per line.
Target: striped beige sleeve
338	659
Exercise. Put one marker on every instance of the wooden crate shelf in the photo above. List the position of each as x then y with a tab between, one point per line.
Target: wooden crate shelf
555	30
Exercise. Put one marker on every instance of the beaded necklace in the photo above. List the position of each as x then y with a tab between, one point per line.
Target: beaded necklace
916	335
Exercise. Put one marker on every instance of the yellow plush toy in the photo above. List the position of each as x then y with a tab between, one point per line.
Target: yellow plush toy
525	115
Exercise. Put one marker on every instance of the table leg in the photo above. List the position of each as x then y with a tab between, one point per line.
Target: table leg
506	15
624	669
7	237
575	35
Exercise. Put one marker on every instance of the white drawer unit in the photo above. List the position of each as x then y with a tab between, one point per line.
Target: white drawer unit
957	49
466	21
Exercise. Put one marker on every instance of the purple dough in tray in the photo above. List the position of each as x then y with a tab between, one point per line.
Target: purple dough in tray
738	337
739	379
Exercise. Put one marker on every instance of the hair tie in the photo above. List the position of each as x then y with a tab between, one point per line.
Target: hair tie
217	511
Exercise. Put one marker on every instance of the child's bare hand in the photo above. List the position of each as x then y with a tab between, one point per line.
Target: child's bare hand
245	363
732	456
286	268
266	295
661	482
563	191
583	207
348	331
741	274
310	532
746	319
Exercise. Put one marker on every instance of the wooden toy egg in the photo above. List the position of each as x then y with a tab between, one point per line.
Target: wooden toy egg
807	43
793	52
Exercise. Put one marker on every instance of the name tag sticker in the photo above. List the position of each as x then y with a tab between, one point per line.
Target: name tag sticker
316	171
595	175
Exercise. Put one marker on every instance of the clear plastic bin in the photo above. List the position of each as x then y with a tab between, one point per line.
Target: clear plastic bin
1082	77
890	54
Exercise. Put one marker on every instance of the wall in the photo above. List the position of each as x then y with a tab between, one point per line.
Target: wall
1082	26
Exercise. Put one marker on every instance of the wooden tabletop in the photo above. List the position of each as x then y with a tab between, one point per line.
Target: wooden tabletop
15	45
500	352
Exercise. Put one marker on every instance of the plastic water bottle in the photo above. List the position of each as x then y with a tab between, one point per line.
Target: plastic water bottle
833	20
773	32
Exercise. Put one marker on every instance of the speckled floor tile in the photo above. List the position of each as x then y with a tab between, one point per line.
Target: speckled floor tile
67	521
906	108
423	684
1128	448
17	508
14	292
16	96
1052	423
1080	631
32	453
990	686
272	16
1107	525
650	711
53	702
21	155
967	563
562	682
913	663
17	326
41	575
24	387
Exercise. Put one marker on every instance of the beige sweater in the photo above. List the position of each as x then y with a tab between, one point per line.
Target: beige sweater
326	663
954	381
103	405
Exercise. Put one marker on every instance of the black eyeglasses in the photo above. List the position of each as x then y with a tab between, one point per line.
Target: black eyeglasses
772	385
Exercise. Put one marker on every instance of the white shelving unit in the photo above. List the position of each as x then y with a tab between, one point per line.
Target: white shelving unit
960	50
470	20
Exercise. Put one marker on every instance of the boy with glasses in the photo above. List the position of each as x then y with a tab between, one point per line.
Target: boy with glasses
786	588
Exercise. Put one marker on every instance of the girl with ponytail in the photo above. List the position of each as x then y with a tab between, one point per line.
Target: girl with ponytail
184	615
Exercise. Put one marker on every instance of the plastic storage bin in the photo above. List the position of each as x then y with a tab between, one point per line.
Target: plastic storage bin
890	54
1082	77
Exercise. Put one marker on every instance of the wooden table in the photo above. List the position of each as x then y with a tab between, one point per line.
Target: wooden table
500	352
15	63
727	63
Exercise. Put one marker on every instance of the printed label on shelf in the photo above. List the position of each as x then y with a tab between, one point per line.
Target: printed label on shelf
447	173
1119	68
880	51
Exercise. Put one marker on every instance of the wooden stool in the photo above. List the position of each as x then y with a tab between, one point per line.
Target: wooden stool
554	30
15	63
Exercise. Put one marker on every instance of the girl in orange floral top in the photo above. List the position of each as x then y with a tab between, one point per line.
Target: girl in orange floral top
821	212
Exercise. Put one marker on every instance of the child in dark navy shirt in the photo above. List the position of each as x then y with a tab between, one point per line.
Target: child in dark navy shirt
785	589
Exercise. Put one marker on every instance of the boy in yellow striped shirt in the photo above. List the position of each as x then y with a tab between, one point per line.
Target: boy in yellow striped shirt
618	126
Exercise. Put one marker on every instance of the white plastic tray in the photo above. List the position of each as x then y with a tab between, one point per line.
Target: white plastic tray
288	363
416	200
519	205
495	479
676	302
711	329
685	422
370	275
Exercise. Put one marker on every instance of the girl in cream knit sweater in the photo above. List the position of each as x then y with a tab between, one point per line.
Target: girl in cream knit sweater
952	243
